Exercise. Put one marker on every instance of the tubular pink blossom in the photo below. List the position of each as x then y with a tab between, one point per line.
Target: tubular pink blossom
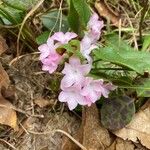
64	38
73	97
93	89
74	73
88	42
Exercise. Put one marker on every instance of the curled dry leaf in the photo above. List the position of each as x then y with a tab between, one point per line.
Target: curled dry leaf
120	144
139	128
106	12
7	114
3	45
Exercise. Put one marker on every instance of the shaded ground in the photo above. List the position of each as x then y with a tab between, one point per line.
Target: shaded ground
29	85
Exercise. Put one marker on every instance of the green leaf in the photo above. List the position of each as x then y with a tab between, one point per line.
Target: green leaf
20	4
123	80
117	112
73	47
143	89
79	14
146	43
73	18
83	11
42	38
13	11
10	15
123	55
51	21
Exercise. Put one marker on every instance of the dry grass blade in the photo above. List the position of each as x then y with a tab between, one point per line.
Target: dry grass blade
25	19
10	145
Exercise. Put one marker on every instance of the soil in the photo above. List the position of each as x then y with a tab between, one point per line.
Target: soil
37	125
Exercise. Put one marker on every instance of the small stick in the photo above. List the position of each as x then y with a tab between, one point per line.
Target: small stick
71	138
8	144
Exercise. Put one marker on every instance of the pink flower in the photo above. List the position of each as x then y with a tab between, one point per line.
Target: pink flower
64	38
108	87
47	48
50	63
73	97
74	73
86	47
95	26
49	56
88	42
94	89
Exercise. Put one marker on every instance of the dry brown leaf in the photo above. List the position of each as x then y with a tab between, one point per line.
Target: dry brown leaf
4	78
95	137
120	144
139	128
3	45
106	12
7	114
41	102
91	133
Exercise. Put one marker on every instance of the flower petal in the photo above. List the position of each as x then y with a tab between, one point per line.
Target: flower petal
67	81
50	69
69	36
85	69
72	104
58	36
67	69
74	61
63	96
45	51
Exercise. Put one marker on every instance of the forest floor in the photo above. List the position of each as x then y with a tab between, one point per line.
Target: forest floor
32	99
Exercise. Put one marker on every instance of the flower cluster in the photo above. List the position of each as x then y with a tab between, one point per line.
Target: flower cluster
77	87
49	57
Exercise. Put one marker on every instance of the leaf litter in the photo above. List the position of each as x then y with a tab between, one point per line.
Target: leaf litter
139	128
8	114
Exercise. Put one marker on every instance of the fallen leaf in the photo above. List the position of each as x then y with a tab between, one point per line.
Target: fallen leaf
4	78
105	11
139	128
95	136
7	114
41	102
120	144
117	112
3	45
91	133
